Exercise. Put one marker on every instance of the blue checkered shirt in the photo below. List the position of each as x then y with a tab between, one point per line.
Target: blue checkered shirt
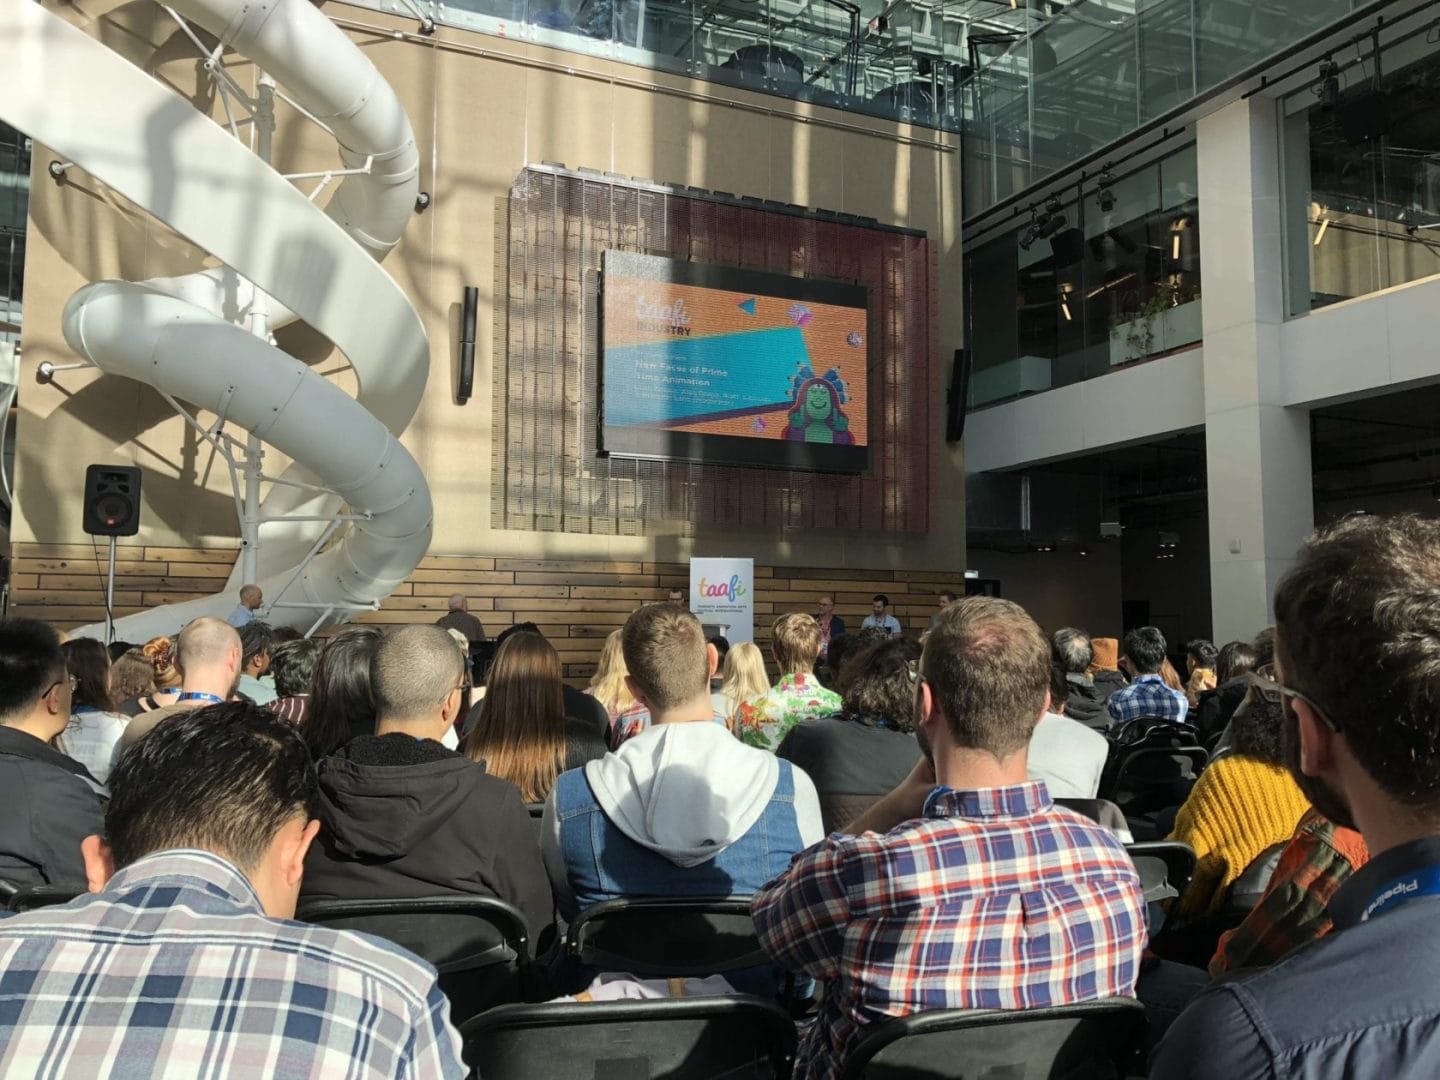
995	899
174	970
1146	696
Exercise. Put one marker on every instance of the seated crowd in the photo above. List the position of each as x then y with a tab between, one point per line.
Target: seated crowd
919	821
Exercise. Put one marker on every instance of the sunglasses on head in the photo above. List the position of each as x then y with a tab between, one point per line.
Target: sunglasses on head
1263	680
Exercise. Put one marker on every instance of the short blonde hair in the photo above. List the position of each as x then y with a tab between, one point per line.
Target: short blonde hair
664	647
796	643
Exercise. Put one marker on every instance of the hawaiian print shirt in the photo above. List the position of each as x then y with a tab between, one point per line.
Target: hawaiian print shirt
766	720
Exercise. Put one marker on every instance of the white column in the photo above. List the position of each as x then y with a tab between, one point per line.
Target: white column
1258	451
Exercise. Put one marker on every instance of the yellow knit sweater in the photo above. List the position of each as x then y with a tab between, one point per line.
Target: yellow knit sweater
1239	807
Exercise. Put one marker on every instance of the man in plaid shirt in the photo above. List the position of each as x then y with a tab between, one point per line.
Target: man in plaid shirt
186	963
965	887
1147	696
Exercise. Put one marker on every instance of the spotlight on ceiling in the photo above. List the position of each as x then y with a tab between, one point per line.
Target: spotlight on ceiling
1105	197
1327	88
1031	232
1053	220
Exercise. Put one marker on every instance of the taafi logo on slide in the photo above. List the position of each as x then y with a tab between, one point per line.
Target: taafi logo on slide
749	307
725	590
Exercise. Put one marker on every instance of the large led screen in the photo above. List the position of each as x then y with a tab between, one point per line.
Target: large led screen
737	367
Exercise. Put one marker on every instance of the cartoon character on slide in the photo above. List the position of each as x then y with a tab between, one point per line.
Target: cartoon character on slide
816	415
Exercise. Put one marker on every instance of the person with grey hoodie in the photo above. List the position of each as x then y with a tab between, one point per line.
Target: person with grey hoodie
402	816
683	809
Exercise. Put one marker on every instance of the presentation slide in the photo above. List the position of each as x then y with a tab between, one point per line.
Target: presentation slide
718	364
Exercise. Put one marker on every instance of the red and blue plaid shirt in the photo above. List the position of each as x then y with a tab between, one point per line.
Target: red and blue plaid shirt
995	899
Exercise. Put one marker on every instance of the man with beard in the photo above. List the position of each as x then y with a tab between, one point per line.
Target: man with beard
965	887
1364	597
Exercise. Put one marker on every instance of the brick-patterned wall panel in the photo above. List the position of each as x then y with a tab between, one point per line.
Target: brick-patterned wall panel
575	602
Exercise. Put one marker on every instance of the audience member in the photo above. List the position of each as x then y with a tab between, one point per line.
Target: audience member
1357	668
458	617
722	650
832	626
744	680
1085	698
54	802
675	596
578	704
132	677
402	816
186	960
869	747
340	705
1232	673
682	809
1201	657
93	735
257	646
293	666
1065	753
1105	667
1170	677
1244	803
159	652
943	601
1148	696
207	654
829	672
609	686
1295	909
117	649
965	887
880	617
520	732
250	601
798	695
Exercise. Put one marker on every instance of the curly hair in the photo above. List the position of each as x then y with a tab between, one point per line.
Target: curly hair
877	684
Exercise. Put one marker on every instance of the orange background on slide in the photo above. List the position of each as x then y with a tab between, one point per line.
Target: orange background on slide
717	311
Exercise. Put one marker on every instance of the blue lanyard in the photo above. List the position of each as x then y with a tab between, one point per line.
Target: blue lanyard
1399	890
198	695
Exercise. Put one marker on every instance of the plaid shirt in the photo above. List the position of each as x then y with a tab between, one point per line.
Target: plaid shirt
1146	696
995	899
1295	909
175	971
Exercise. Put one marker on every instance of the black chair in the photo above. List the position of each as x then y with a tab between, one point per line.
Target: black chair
667	938
479	945
1092	1040
766	63
1153	764
1165	868
1247	890
1101	811
31	897
734	1037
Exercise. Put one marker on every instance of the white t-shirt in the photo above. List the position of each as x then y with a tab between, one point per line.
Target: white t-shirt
93	738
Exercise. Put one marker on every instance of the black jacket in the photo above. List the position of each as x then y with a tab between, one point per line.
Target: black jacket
51	804
1217	706
1086	702
402	817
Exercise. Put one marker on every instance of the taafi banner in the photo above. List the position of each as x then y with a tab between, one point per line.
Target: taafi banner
722	594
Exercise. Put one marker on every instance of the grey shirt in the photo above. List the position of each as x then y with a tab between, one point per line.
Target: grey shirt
1361	1002
1068	756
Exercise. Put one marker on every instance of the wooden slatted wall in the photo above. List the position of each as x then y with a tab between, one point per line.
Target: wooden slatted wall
575	602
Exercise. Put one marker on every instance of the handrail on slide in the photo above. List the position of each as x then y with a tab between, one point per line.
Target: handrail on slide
284	259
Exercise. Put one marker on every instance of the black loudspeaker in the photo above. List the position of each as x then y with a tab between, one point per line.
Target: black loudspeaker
959	392
112	500
467	345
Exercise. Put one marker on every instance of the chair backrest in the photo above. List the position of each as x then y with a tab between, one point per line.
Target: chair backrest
1245	892
1165	867
667	938
478	944
736	1037
1102	812
30	897
1092	1040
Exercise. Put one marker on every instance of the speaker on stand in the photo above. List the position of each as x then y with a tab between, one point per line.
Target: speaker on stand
111	508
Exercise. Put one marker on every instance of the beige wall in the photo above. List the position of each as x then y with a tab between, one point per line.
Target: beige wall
482	109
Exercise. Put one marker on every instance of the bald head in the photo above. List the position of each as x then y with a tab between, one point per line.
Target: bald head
206	642
457	602
250	596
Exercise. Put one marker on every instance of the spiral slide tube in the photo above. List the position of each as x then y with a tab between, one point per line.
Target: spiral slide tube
284	258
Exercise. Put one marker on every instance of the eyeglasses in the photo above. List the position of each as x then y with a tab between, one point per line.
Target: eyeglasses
1272	690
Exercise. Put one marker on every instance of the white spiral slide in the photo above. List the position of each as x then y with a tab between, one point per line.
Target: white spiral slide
284	258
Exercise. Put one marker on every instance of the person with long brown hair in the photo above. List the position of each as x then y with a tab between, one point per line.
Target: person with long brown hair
519	731
95	727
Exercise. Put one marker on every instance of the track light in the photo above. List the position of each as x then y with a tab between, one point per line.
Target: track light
1052	221
1327	89
1105	197
1031	232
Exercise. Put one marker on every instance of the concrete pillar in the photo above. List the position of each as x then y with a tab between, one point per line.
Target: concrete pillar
1261	504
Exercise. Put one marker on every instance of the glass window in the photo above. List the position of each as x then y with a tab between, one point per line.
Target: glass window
1089	285
1361	164
14	204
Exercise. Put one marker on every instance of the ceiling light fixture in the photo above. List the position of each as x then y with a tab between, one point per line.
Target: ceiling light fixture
1327	89
1105	197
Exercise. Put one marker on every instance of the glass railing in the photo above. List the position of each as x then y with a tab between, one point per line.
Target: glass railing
1063	83
1087	286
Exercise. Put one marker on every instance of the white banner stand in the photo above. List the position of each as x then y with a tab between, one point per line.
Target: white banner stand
722	596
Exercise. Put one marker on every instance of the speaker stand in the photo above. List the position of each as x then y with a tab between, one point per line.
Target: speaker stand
110	596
